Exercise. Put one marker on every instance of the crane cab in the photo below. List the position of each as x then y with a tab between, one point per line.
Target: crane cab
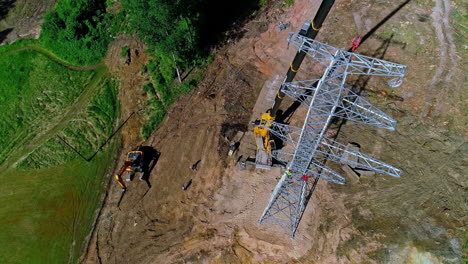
263	158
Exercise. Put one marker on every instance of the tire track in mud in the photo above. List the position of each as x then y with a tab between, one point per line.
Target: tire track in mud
448	61
53	58
27	148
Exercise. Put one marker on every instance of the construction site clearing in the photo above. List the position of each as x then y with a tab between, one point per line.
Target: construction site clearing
214	217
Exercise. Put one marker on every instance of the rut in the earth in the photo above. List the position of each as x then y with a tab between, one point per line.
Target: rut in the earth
436	97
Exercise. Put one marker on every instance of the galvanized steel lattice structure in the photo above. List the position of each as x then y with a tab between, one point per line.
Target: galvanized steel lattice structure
308	149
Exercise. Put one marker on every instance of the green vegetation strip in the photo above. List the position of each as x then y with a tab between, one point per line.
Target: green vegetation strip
182	41
51	197
161	93
53	86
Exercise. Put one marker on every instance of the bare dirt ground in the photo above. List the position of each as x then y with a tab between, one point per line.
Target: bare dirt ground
419	218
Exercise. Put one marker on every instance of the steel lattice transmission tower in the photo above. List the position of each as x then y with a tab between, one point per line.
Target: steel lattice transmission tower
307	148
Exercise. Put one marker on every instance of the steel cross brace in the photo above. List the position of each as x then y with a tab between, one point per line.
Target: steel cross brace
293	186
358	64
336	152
351	106
333	151
325	97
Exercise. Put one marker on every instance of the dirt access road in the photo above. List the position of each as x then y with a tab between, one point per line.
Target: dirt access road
378	220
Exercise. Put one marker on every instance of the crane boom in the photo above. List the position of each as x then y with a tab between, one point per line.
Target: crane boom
309	30
265	144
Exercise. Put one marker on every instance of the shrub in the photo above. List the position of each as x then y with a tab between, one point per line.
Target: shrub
76	31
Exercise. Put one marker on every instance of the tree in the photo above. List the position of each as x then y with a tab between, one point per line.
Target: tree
167	27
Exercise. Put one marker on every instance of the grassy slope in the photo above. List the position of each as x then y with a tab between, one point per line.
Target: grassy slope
86	129
34	91
48	212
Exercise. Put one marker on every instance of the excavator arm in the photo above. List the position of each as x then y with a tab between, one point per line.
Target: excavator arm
118	176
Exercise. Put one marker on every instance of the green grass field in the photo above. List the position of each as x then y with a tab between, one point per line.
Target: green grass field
50	195
33	92
87	130
46	214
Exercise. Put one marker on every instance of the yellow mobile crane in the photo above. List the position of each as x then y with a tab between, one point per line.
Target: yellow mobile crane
265	144
263	158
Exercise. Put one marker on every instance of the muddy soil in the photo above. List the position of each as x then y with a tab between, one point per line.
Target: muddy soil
419	218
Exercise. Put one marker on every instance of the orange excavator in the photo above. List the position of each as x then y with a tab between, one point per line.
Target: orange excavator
132	166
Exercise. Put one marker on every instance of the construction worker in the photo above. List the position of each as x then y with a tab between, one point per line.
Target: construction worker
185	186
194	166
355	43
305	177
288	172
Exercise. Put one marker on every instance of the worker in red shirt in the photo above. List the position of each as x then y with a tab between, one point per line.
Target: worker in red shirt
355	44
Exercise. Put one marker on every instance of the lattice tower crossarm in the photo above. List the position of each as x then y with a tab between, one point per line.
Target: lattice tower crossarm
325	98
330	150
351	106
357	64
